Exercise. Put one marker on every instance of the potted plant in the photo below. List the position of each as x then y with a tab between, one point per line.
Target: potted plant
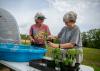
68	63
56	58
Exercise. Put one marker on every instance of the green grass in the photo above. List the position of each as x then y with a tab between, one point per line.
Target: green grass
91	57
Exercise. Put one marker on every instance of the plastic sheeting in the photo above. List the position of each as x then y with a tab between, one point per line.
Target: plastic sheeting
9	31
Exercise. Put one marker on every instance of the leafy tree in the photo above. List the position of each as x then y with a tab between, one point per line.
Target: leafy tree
91	38
84	39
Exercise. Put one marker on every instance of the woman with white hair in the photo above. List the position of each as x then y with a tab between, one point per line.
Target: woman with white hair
69	36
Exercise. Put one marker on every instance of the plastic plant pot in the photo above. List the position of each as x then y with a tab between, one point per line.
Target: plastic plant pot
51	64
64	67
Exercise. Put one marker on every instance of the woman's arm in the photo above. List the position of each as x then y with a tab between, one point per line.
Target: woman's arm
31	39
66	45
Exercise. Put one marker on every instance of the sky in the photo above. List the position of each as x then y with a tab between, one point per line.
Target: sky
88	12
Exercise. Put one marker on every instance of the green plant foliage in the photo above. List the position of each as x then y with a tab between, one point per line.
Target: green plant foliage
70	56
56	55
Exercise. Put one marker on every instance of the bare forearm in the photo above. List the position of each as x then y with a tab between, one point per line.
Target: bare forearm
67	45
30	37
56	37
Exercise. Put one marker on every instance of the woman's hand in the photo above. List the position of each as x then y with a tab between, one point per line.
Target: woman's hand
52	37
53	44
32	40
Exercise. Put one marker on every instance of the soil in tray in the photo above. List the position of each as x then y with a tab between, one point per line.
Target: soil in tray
50	66
36	64
64	67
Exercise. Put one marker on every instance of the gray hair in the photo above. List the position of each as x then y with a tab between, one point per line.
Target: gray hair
70	16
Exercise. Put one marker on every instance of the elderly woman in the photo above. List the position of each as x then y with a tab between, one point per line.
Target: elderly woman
69	36
39	30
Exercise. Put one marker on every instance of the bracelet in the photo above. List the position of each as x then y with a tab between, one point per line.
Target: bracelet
59	45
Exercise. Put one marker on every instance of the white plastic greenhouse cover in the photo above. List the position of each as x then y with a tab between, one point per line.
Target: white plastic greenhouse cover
9	31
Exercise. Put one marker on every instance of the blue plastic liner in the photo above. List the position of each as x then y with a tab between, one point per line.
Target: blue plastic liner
20	53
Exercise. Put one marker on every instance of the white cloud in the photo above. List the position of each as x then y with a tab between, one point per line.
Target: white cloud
88	14
55	14
87	11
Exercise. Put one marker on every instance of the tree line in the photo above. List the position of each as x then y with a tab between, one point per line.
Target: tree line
91	38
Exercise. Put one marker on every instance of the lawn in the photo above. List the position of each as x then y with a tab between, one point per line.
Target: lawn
91	57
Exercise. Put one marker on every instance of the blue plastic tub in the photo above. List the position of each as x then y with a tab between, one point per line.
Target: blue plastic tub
20	53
